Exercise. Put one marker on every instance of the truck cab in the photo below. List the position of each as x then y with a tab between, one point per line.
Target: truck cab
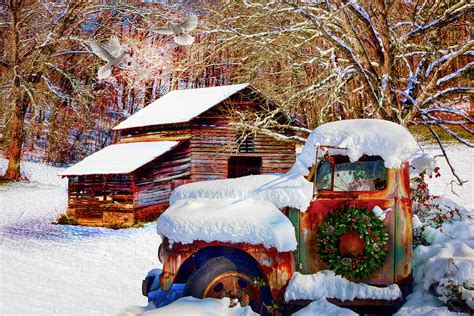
366	184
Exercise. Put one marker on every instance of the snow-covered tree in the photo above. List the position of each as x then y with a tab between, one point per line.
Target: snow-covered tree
405	61
49	90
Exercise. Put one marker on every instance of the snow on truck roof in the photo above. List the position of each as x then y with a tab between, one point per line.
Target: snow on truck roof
120	158
179	106
359	137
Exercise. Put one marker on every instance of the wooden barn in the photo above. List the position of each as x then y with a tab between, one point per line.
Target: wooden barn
182	137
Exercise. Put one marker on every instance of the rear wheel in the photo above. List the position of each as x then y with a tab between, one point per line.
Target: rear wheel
223	277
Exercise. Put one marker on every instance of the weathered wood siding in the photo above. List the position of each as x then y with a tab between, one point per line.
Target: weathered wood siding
214	141
170	132
156	180
98	200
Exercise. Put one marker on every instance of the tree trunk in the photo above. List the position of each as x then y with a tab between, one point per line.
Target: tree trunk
388	65
16	137
20	103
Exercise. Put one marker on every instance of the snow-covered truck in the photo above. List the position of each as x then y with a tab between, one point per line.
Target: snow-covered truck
341	215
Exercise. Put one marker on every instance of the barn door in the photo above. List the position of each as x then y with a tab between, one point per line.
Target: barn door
243	166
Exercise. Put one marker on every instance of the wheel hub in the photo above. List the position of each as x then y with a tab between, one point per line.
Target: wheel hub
234	285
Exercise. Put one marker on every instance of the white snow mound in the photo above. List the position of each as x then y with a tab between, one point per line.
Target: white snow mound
423	163
191	306
391	141
421	303
281	189
228	220
322	307
437	268
459	229
326	284
452	260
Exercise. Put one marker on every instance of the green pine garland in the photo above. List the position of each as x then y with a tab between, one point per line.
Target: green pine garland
370	228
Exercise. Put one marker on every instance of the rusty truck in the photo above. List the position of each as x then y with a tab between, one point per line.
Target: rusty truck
255	275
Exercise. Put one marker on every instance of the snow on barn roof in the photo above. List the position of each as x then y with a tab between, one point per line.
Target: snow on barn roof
180	106
371	137
120	158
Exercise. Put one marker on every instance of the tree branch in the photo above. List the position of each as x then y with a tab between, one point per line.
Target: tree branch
455	74
441	146
341	44
445	92
449	15
264	131
4	64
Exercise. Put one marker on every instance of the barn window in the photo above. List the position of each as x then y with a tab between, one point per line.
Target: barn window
246	143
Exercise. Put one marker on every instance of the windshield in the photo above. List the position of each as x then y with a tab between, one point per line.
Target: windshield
337	173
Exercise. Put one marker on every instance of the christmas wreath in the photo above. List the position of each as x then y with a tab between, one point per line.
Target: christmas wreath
353	242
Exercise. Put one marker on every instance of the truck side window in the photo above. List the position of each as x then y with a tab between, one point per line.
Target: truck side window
363	175
324	176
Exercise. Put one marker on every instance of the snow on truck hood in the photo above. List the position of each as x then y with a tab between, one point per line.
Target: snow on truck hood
246	209
250	221
283	190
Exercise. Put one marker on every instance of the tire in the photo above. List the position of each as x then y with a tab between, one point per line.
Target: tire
228	277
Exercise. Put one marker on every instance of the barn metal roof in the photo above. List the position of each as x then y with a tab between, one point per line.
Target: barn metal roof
180	106
120	158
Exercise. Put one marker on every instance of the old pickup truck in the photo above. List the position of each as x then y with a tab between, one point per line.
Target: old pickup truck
345	207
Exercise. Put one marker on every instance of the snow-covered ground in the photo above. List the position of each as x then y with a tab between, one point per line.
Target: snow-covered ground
462	159
190	306
53	269
450	258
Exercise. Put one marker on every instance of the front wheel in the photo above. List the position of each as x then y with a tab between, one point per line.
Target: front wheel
223	277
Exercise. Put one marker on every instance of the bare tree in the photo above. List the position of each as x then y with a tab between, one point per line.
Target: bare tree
48	75
28	59
404	61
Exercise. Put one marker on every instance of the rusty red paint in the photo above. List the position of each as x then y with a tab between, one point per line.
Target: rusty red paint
404	229
277	268
398	223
